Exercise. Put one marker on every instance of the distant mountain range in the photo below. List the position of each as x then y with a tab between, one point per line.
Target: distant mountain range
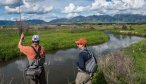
7	22
127	18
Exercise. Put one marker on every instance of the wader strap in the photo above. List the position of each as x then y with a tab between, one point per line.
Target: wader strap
88	79
37	56
84	82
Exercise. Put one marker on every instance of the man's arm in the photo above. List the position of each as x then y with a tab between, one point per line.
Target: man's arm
20	41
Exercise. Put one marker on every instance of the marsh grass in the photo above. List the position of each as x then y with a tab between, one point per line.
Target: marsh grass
124	67
115	68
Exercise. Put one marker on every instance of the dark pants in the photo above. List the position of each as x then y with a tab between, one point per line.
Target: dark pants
38	80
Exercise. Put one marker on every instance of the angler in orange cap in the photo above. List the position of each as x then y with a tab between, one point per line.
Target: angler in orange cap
83	76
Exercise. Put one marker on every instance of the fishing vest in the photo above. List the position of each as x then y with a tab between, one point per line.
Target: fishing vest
38	61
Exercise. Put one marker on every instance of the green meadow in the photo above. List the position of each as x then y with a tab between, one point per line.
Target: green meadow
51	39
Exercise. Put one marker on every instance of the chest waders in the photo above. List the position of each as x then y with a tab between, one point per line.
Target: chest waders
34	69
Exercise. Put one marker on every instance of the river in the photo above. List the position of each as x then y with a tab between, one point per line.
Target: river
60	66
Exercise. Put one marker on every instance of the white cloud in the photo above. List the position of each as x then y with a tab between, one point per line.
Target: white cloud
134	4
30	8
70	15
11	3
45	17
51	9
15	3
81	8
106	7
70	8
12	10
117	4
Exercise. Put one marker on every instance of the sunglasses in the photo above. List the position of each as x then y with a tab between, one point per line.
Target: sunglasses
79	44
35	41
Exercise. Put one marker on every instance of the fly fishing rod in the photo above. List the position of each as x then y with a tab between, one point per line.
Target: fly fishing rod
20	30
19	22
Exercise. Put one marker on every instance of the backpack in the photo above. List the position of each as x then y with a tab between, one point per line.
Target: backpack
34	70
91	64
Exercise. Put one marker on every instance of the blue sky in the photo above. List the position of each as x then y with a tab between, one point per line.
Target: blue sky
52	9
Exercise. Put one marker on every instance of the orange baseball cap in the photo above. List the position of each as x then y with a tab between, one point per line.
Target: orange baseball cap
81	41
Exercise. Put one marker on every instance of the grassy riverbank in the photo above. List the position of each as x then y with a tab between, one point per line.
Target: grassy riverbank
127	66
138	52
137	30
51	39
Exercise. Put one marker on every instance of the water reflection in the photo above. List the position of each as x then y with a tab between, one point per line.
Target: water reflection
116	42
60	66
21	64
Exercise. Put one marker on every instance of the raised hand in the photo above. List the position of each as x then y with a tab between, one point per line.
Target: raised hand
22	36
